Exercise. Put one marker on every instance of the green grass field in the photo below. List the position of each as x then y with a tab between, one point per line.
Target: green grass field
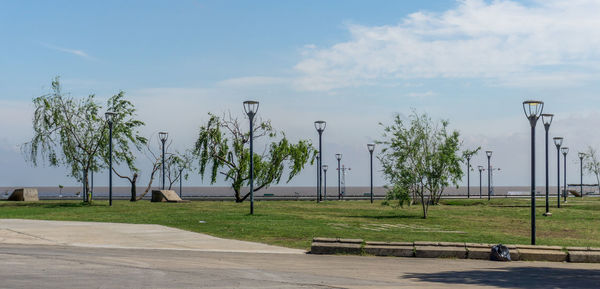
295	223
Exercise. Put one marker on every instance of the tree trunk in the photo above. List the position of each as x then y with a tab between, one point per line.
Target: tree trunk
133	188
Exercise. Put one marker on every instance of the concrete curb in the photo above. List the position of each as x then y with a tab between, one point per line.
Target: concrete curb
453	250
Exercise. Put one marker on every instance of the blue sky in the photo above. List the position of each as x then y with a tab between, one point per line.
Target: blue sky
351	63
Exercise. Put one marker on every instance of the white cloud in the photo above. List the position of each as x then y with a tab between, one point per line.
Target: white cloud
421	94
550	42
252	81
77	52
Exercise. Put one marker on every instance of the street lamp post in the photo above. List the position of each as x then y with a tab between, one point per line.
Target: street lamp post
320	127
489	156
180	182
565	151
547	120
581	156
325	167
480	168
251	107
110	119
339	158
468	177
558	143
533	109
163	135
371	148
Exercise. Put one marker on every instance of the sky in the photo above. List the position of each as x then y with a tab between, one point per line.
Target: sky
354	64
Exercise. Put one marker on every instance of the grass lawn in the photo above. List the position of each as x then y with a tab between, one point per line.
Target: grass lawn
295	223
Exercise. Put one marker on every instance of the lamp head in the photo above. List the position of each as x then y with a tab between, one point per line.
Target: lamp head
338	156
325	167
547	119
320	125
564	150
480	168
110	116
371	147
558	141
533	109
581	155
489	154
163	135
251	107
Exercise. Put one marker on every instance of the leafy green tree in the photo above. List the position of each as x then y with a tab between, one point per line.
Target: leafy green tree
177	166
223	145
420	158
74	133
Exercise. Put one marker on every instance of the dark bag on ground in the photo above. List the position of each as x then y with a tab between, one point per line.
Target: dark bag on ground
500	253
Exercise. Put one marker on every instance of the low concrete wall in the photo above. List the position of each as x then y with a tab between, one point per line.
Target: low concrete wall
453	250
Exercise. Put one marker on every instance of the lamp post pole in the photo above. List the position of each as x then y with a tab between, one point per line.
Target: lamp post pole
318	158
180	182
320	127
163	135
565	151
547	120
558	143
468	177
480	168
325	167
110	118
339	158
581	156
533	109
251	108
371	148
489	156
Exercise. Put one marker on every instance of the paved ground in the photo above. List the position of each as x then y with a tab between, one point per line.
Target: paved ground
114	235
32	264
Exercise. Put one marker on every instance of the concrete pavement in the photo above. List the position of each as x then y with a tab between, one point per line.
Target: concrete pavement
49	254
116	235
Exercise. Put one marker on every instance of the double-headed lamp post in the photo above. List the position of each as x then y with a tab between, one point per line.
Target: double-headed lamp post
320	127
581	156
371	148
251	107
325	167
163	135
565	151
533	110
489	156
547	120
338	157
480	168
558	143
110	118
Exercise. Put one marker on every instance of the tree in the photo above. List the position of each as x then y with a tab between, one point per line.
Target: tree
420	158
222	145
592	163
178	166
74	133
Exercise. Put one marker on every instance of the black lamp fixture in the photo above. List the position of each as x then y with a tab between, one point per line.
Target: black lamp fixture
110	118
163	136
371	148
533	110
565	151
325	167
489	156
320	127
338	157
251	108
558	143
547	120
581	156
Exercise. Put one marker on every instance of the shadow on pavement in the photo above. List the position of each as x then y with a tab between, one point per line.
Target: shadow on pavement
518	277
